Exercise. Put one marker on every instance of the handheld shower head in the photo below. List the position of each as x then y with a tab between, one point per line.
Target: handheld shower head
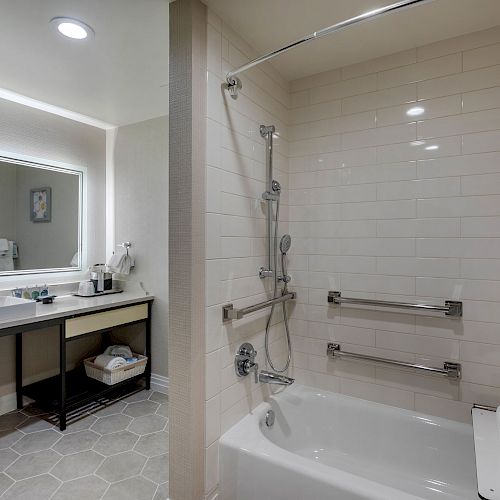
285	244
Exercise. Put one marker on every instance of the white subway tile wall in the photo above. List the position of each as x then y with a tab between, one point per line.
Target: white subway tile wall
390	172
394	193
236	228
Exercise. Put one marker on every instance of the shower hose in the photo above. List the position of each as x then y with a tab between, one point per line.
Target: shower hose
275	294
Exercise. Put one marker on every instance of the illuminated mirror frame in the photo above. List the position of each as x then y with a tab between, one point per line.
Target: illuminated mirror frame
66	168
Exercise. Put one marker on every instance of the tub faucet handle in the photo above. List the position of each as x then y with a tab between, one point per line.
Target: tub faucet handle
244	362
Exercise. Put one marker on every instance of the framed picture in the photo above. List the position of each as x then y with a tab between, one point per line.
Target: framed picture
41	204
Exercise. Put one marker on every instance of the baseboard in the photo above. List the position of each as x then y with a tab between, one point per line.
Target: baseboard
159	383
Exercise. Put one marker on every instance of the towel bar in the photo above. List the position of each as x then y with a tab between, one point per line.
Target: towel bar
452	308
229	312
450	369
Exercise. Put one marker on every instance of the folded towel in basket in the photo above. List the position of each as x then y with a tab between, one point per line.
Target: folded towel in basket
123	351
109	362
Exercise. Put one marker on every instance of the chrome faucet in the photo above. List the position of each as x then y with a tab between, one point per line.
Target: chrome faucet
266	377
244	364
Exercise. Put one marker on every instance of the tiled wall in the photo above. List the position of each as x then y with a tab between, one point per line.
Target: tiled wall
235	226
385	205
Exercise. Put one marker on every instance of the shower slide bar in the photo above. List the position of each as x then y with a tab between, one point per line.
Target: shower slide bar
450	369
229	312
452	308
233	83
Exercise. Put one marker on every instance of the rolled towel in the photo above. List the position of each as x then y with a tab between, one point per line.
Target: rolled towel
123	351
109	362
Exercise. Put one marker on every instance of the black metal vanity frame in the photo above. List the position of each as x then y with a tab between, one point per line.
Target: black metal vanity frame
100	390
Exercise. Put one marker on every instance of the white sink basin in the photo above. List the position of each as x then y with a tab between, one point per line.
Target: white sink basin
12	308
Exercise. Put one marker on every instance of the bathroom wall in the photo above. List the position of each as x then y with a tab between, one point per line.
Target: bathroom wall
141	217
236	228
28	131
394	207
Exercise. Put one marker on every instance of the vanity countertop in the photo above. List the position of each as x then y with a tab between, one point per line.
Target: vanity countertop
69	305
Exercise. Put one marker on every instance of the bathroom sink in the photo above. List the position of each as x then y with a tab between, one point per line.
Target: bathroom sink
12	308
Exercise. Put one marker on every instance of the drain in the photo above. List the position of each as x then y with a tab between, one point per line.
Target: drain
270	416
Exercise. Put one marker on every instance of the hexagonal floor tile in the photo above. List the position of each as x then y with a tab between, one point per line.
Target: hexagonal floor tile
113	423
161	492
34	424
77	465
147	424
163	410
156	469
33	464
11	420
84	488
139	409
34	488
80	425
36	441
7	456
122	466
158	397
118	442
134	488
75	442
9	437
32	411
138	396
153	445
5	482
110	409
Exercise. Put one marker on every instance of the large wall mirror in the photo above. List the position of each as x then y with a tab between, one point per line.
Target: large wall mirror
40	216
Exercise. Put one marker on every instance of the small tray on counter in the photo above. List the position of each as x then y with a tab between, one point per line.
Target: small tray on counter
98	294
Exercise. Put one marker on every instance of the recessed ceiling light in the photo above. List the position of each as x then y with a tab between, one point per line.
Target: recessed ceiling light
417	110
72	28
432	148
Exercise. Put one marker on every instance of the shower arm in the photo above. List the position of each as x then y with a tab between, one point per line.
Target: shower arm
233	83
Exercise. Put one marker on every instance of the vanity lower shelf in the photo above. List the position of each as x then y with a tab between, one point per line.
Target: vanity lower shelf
80	390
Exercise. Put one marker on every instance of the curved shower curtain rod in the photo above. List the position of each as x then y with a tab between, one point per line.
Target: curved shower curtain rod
233	83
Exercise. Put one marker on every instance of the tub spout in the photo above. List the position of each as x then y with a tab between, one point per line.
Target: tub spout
274	378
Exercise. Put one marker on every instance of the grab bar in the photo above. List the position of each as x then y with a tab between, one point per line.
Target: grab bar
452	308
229	312
450	369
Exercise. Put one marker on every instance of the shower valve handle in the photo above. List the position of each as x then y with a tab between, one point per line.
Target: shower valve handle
244	362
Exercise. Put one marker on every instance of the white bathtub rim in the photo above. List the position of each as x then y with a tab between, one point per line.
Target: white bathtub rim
254	442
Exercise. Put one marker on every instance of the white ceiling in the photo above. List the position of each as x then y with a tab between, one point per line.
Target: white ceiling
269	24
119	77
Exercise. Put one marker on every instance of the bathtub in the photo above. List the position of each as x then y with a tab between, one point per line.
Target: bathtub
330	446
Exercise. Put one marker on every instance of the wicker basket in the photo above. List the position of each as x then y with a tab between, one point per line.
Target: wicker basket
112	377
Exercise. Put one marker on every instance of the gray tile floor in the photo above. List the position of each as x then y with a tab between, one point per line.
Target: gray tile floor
119	452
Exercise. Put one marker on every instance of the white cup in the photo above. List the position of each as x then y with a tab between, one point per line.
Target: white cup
86	288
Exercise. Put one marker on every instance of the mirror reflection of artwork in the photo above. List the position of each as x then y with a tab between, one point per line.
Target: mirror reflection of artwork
41	204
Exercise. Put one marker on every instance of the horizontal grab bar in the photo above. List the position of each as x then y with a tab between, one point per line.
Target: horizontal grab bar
450	370
229	312
451	308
